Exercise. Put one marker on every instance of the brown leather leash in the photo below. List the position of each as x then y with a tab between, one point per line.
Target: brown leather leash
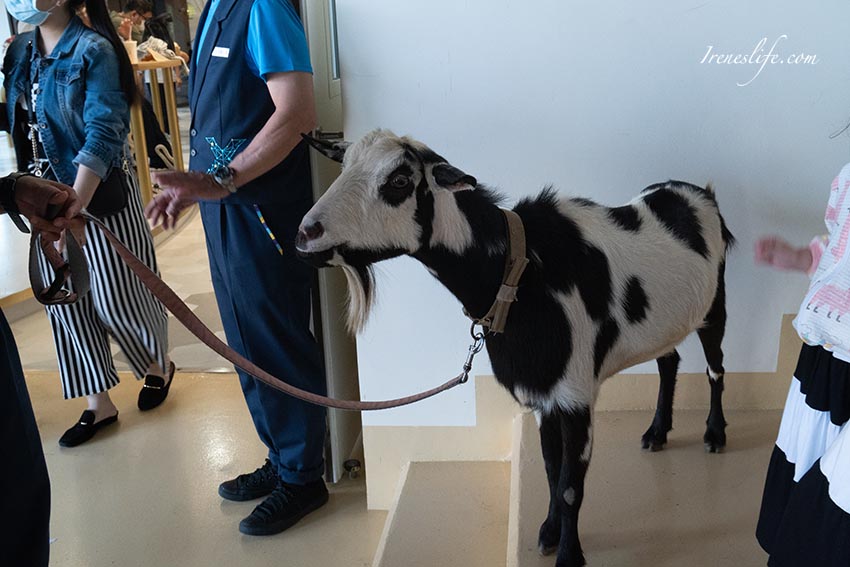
76	270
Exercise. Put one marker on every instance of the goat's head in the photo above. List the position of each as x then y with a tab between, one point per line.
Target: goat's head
381	206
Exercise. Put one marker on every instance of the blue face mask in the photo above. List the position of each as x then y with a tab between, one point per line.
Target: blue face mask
25	11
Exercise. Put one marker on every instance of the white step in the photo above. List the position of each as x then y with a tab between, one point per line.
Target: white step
448	514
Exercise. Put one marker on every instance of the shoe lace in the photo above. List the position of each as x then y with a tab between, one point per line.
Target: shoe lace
280	498
261	476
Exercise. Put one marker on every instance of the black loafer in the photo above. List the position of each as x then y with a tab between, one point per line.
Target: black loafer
155	390
84	429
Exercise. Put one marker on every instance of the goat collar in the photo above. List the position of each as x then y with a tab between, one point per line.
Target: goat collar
515	263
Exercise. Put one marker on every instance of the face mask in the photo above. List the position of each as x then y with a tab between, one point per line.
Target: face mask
25	11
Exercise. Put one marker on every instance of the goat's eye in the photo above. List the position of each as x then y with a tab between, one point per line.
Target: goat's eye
399	181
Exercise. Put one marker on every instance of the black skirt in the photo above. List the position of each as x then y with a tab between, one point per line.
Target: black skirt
805	511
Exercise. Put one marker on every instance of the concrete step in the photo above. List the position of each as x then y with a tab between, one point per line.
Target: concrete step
448	514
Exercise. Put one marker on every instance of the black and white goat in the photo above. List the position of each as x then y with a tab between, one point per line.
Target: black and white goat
605	288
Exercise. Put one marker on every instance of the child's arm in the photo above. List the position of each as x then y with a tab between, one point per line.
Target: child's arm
776	252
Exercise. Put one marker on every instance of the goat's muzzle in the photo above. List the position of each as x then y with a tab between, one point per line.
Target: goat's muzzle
307	232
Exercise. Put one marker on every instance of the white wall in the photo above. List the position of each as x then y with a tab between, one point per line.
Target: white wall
601	99
4	24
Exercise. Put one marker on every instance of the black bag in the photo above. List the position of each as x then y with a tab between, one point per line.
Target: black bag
111	196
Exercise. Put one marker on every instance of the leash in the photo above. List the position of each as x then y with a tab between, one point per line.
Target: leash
77	268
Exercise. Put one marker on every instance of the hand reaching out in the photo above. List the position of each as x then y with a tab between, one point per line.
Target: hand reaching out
776	252
179	191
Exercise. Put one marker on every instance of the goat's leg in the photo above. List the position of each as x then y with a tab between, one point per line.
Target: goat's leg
553	450
656	436
577	437
711	337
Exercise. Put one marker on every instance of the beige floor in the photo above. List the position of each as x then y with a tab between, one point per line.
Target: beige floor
143	493
679	507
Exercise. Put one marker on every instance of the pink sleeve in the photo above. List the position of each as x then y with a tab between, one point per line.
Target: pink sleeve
817	247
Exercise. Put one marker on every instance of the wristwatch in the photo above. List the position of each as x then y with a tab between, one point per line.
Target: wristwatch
224	175
8	185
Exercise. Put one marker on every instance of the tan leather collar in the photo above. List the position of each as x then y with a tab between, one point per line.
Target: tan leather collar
515	264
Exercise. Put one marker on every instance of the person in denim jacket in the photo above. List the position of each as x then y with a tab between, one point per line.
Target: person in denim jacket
76	85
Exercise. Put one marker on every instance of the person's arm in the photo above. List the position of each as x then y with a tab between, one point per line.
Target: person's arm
86	183
774	251
106	115
292	94
122	24
277	51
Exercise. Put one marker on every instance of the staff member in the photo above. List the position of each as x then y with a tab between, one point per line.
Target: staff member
251	98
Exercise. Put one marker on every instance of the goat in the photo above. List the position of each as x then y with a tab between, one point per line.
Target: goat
605	288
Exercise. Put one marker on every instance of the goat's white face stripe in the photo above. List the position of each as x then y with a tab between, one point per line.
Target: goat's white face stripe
352	208
451	228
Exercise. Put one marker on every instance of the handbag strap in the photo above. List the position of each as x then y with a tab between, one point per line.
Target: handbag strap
75	269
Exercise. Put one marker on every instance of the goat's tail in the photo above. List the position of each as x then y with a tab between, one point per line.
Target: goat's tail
728	237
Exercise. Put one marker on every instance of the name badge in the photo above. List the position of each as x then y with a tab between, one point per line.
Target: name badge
221	52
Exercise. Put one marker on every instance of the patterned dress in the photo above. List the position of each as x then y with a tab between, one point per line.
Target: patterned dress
805	512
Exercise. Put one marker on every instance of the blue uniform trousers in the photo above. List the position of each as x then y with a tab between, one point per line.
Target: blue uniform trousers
25	504
264	301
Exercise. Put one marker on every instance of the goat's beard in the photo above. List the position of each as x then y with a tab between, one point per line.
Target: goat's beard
361	295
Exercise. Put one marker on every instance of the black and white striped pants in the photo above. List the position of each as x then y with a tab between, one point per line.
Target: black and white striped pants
118	306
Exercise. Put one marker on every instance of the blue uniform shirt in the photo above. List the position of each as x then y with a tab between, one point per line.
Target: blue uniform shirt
276	41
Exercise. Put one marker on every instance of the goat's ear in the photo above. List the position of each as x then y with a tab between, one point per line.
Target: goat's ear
451	178
333	150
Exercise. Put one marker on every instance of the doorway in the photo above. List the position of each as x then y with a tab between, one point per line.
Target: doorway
340	353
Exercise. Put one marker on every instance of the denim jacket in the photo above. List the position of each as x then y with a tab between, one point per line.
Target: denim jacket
82	112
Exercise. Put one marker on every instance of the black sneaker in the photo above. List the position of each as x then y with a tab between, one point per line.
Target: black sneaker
287	504
244	487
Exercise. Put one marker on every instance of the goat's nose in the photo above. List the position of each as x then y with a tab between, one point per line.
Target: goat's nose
313	231
308	232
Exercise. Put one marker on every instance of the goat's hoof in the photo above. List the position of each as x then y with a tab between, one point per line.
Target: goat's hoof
653	441
572	560
549	537
714	442
652	446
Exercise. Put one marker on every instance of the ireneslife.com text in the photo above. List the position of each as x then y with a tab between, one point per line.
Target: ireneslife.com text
764	54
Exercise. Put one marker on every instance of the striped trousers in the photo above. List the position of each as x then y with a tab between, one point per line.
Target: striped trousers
118	307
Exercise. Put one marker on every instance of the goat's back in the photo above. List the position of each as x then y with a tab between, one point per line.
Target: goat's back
644	274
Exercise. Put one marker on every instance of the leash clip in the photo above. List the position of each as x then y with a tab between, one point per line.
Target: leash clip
474	348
